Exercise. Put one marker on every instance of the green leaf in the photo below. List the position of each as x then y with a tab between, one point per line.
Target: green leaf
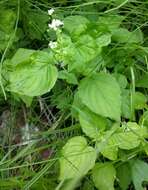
33	77
81	55
122	35
121	79
69	184
126	103
101	93
11	182
7	20
69	77
91	123
139	100
137	36
4	38
77	158
7	23
88	186
62	96
144	119
103	40
126	141
139	131
35	24
139	173
75	25
110	150
26	99
124	175
109	22
22	56
127	137
143	81
104	175
106	144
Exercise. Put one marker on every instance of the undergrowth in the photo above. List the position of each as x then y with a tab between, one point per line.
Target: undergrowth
73	96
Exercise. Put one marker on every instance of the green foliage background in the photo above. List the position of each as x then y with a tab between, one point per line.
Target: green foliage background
76	116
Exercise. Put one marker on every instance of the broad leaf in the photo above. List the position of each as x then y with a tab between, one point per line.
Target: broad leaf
32	77
139	173
143	81
124	175
110	149
35	24
122	35
139	100
69	77
101	93
139	131
7	20
144	119
88	186
121	79
104	176
70	184
79	54
106	144
75	25
103	40
127	137
7	23
77	158
26	99
126	103
91	123
22	56
109	22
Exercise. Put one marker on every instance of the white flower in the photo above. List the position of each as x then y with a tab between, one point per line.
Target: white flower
55	24
50	11
52	44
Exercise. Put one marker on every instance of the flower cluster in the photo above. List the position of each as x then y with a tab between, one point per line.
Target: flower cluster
50	11
52	44
55	24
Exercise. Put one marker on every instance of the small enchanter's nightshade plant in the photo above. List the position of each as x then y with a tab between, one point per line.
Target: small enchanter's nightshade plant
75	75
